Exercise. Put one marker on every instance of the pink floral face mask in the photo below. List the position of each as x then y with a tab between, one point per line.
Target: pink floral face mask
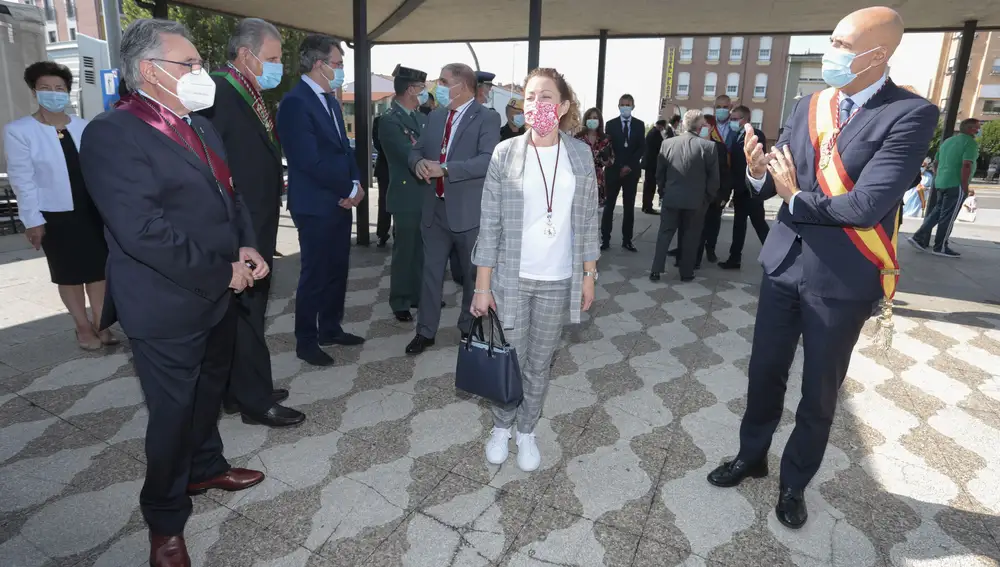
542	116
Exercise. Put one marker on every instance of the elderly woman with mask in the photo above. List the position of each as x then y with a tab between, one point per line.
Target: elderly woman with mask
537	251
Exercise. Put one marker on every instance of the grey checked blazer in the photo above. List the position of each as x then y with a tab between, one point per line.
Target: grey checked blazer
501	224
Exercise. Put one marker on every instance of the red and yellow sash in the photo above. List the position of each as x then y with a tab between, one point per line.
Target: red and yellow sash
874	243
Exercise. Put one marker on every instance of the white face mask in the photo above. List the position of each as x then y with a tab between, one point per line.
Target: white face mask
195	91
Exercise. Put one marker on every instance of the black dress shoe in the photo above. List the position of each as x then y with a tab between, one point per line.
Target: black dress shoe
651	211
276	416
686	279
629	246
315	357
673	253
403	316
710	254
419	344
791	508
278	395
730	264
731	473
654	276
382	241
605	246
343	339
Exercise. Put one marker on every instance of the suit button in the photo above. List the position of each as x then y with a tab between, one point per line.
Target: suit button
198	291
404	182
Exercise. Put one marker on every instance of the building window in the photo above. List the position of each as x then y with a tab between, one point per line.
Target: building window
757	118
991	107
736	49
714	48
708	110
711	80
951	65
732	84
944	104
687	49
71	9
52	36
350	127
760	86
764	53
72	34
683	84
996	67
50	11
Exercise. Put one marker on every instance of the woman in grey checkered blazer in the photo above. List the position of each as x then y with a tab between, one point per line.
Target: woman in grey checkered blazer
537	251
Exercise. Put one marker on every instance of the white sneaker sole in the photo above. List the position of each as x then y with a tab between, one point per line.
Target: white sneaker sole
528	469
497	461
916	244
943	255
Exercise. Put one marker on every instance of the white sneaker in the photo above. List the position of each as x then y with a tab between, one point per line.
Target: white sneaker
496	448
528	457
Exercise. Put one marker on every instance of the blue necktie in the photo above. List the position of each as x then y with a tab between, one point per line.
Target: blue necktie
331	100
846	106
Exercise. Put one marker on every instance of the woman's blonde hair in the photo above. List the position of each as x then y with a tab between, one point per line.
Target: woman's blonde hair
570	122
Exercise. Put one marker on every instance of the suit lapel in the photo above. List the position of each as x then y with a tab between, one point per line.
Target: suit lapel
465	122
190	157
866	114
313	100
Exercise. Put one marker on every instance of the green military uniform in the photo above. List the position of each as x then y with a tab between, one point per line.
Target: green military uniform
398	131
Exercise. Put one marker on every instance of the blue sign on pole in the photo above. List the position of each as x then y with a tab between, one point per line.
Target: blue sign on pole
109	87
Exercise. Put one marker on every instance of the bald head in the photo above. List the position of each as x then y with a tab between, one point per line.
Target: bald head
872	35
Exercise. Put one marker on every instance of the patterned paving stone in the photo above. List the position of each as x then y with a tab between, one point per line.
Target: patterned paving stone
645	399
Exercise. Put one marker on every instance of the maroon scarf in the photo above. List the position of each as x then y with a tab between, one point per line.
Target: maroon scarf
178	130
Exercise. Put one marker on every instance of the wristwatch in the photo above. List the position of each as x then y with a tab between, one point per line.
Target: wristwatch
591	274
444	169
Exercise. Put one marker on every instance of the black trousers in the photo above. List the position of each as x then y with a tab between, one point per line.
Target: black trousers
183	379
648	188
711	228
627	186
747	208
384	223
829	329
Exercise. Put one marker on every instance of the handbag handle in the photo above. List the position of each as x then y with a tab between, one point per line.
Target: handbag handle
476	330
495	323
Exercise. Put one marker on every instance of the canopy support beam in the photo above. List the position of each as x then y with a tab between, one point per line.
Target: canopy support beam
958	78
362	114
394	19
534	33
602	59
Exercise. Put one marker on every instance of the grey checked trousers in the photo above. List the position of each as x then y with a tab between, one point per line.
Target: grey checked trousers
542	308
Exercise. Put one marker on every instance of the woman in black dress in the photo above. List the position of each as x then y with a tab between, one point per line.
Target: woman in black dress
53	202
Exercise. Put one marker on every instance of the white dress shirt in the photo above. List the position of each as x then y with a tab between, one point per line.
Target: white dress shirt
459	113
36	167
321	94
859	99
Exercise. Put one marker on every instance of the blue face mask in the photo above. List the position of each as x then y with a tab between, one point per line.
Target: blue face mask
593	123
837	67
722	114
53	101
338	78
443	95
734	125
422	97
518	120
626	111
270	75
705	131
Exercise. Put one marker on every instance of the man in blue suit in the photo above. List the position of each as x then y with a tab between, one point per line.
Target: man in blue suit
844	159
324	184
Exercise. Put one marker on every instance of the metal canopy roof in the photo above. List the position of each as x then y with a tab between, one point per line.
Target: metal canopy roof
440	21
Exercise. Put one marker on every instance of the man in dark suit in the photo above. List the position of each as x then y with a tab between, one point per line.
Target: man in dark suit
452	155
654	139
324	184
181	243
844	160
688	176
722	133
746	207
383	226
247	129
626	135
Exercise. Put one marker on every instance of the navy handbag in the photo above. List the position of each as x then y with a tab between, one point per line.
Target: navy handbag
489	368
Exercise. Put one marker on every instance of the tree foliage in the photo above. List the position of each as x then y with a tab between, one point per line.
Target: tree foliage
211	33
989	139
936	140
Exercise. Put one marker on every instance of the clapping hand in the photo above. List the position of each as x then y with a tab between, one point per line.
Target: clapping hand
757	158
782	169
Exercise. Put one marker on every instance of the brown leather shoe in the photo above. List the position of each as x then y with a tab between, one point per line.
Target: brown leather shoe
232	480
168	551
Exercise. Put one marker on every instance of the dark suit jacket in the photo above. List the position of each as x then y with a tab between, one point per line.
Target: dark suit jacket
881	147
255	163
654	139
381	164
688	172
737	186
172	232
321	164
632	155
724	177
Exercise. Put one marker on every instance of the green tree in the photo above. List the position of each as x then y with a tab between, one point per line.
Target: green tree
989	139
936	140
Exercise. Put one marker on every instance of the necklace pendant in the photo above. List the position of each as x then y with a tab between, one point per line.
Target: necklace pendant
550	229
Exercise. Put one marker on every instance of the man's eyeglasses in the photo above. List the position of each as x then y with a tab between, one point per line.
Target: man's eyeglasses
194	66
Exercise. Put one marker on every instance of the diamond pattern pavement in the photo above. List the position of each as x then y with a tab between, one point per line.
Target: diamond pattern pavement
388	470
